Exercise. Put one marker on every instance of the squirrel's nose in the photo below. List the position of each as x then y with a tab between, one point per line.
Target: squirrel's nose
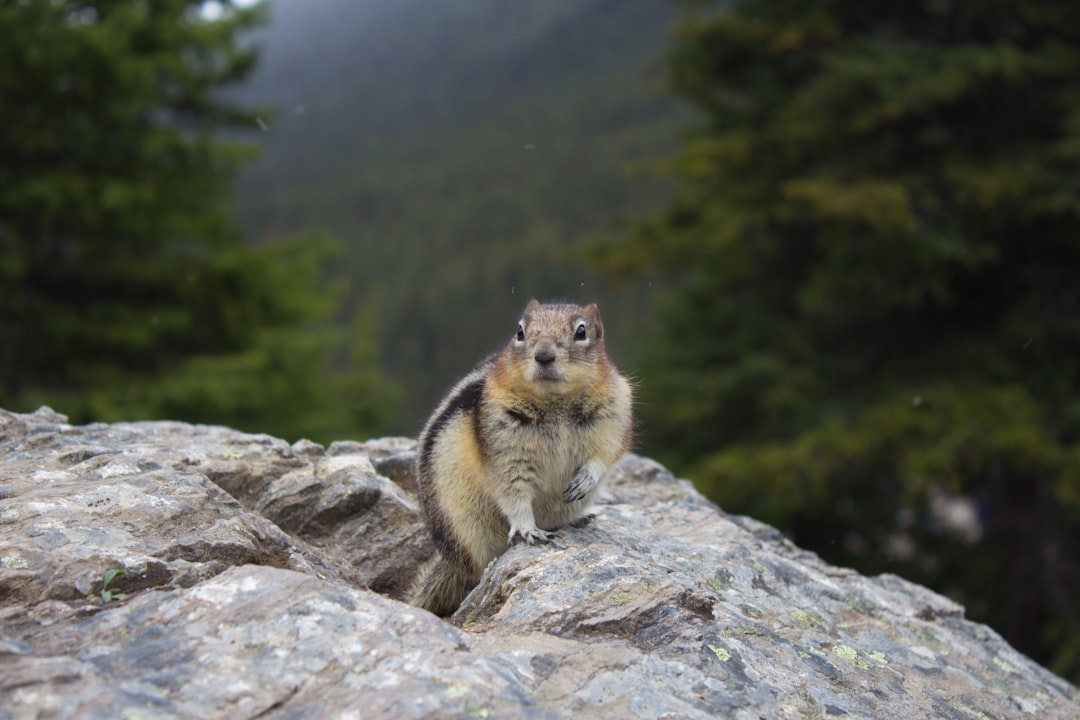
544	355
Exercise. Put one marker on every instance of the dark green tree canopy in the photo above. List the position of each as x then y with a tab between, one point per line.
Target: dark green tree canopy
125	291
874	291
110	186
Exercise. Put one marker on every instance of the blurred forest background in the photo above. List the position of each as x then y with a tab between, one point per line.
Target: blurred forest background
836	243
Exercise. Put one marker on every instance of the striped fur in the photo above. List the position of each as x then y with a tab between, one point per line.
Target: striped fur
517	448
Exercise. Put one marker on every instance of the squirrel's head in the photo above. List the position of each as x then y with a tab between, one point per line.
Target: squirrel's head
559	347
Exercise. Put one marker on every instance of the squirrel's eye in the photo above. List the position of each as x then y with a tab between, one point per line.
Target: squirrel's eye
521	333
580	333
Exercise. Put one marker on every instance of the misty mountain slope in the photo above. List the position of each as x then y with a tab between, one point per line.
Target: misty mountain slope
460	150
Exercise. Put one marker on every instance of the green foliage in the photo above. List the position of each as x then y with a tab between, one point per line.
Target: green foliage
125	292
109	594
873	293
364	394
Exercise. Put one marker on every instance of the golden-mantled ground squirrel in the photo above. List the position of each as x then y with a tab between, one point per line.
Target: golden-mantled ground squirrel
518	446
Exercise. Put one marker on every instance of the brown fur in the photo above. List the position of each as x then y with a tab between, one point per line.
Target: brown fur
518	446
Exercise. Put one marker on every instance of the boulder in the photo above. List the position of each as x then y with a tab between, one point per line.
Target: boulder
161	569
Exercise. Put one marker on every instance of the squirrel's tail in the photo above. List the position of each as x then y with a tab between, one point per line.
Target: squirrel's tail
442	584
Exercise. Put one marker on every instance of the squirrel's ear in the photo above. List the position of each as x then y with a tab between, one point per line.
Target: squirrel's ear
533	304
592	313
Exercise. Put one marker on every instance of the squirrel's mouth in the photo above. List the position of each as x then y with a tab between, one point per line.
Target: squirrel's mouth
542	373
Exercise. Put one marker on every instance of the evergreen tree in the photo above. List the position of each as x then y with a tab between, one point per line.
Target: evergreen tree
872	320
125	291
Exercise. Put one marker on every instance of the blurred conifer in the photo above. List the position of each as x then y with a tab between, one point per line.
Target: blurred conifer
125	291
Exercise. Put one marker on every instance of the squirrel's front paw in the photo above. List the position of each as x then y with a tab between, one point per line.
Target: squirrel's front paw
588	476
530	536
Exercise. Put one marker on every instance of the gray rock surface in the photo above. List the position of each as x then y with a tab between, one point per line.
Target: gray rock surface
251	565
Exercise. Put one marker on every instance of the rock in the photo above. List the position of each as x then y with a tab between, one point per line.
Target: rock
254	641
251	565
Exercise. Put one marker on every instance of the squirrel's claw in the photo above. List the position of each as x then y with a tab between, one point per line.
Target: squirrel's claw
582	521
530	536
